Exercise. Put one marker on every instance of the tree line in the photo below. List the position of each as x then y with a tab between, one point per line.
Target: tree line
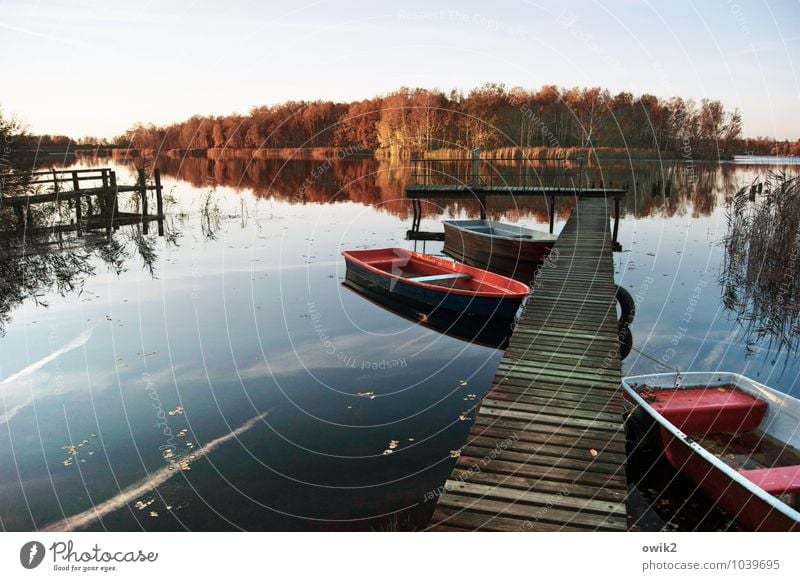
489	117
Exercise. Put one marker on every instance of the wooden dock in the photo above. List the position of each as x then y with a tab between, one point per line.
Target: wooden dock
477	178
95	206
547	449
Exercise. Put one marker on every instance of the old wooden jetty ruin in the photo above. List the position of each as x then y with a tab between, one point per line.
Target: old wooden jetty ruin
92	194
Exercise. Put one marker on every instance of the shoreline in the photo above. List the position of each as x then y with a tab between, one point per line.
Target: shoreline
321	153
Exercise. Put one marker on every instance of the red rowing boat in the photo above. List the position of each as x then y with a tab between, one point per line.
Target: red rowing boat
436	282
736	439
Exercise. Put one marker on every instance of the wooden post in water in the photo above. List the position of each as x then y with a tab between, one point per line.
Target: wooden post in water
616	222
111	200
143	191
552	212
76	186
159	201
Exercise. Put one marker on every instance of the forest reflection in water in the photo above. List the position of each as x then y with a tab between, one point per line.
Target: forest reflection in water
252	240
665	188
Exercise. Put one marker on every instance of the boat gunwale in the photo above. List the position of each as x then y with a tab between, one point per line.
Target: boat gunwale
540	238
509	294
739	381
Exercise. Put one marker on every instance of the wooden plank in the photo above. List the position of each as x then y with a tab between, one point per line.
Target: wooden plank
547	448
558	398
540	485
534	470
601	507
489	408
519	425
610	413
531	515
599	371
546	462
457	512
557	378
556	439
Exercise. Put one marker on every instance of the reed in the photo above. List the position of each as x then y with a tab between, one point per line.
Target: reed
761	276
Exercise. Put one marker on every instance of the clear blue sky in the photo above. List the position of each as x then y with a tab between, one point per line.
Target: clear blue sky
86	67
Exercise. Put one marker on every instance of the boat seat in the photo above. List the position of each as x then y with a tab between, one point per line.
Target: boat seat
710	410
779	480
437	277
400	261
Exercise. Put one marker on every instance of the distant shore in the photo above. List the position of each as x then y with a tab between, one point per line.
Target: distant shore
312	153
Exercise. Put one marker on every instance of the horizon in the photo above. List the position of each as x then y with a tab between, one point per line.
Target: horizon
169	64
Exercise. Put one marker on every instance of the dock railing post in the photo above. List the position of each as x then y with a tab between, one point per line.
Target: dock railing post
475	179
476	166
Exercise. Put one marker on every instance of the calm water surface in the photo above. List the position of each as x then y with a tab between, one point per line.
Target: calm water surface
221	377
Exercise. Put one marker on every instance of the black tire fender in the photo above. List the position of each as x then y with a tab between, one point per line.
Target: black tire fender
627	306
625	338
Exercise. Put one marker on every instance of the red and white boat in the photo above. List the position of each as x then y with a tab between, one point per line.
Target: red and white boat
434	282
735	438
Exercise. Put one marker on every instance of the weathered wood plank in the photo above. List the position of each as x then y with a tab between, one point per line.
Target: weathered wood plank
530	516
534	471
540	485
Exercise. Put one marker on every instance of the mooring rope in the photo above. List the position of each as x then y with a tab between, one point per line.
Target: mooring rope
675	369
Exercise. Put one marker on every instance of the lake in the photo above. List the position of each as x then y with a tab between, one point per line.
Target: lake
221	377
